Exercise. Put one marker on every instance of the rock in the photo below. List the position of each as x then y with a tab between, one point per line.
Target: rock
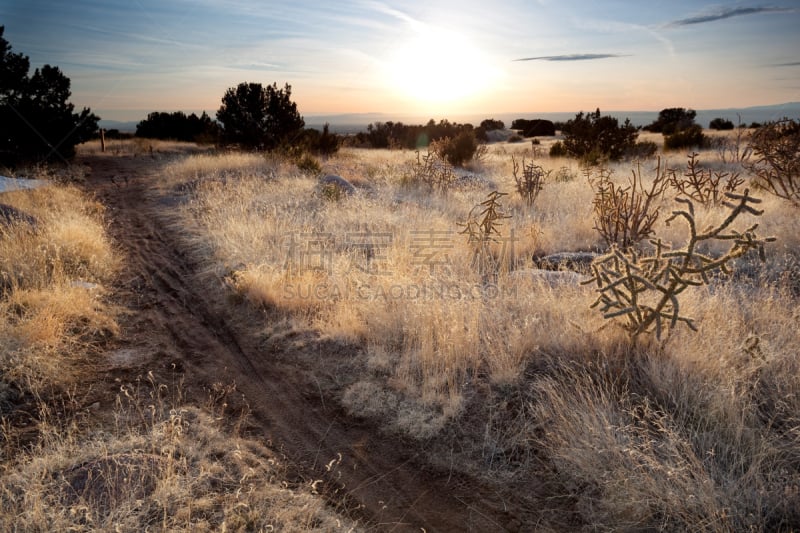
338	182
469	182
551	278
499	135
80	284
575	261
15	184
10	215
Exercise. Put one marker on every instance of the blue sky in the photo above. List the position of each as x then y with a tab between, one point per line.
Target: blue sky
433	57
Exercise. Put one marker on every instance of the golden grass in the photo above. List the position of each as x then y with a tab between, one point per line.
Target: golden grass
162	464
139	147
52	282
697	433
696	436
358	271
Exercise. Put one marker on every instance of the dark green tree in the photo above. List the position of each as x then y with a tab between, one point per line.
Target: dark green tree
594	136
721	124
37	121
534	128
672	120
491	124
178	126
254	116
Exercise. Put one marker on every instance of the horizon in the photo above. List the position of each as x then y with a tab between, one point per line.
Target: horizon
437	59
350	122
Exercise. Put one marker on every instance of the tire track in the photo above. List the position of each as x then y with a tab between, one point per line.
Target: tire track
364	473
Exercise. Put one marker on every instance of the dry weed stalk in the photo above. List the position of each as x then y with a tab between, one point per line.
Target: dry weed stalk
532	180
625	215
703	185
644	290
732	150
434	171
482	230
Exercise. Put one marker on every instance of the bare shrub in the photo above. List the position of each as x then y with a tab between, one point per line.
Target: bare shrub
644	290
625	215
433	171
704	185
775	159
532	180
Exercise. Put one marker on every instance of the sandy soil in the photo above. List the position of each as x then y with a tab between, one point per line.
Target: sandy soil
177	329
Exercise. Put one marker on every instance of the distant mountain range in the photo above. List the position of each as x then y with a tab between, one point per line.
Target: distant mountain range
355	122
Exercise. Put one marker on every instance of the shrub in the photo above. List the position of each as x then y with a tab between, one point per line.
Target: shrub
459	150
775	159
308	165
515	139
534	128
565	175
691	137
323	143
642	150
558	150
491	124
626	215
720	124
672	120
433	171
594	137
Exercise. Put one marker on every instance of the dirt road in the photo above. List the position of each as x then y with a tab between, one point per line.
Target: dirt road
176	327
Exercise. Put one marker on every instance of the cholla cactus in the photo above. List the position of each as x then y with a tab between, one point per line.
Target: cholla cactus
703	185
532	180
481	227
643	290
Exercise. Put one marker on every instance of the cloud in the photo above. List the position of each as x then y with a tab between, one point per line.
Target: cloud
726	13
570	57
792	64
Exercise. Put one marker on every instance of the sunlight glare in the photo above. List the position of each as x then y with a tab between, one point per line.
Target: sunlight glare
438	65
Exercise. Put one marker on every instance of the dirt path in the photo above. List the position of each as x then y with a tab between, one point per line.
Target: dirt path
174	327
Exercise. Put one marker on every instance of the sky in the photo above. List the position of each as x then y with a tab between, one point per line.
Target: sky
437	58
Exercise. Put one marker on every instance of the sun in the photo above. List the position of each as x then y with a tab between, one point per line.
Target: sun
437	65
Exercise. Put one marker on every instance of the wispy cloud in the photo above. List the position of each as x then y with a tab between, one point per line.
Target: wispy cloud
725	13
571	57
792	64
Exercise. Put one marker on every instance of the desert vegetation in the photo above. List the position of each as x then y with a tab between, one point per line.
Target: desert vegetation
673	408
612	347
148	460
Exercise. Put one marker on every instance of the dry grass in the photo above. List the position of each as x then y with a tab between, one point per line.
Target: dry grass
140	147
699	432
160	464
52	285
163	467
357	270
